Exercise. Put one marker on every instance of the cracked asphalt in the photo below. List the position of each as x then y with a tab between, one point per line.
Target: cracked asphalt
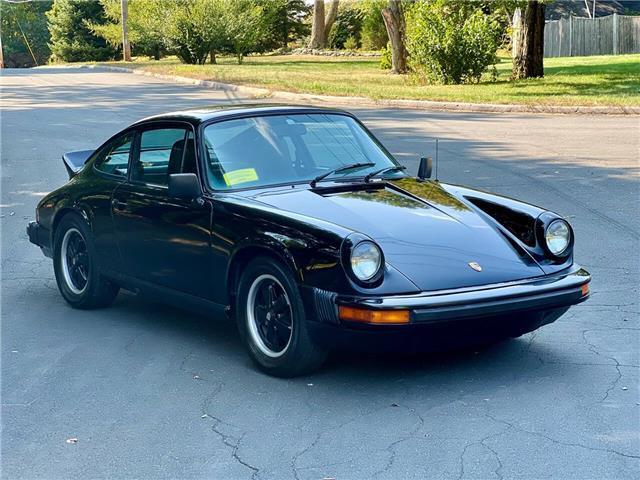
155	392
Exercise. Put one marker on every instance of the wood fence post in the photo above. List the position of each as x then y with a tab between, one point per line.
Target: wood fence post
616	35
571	35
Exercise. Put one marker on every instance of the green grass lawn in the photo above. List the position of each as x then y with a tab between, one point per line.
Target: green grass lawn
603	80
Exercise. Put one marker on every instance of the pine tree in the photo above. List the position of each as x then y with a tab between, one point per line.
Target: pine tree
72	40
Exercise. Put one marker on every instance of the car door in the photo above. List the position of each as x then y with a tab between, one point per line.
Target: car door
163	240
110	169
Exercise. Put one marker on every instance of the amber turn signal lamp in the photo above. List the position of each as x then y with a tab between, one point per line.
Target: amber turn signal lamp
584	289
363	315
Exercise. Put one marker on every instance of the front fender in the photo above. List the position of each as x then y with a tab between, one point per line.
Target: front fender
517	219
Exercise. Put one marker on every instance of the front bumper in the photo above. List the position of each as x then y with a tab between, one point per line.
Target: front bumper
40	236
446	317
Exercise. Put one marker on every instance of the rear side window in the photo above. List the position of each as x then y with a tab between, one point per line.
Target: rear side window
114	159
161	153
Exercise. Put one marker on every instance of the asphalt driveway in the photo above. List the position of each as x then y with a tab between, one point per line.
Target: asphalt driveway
155	392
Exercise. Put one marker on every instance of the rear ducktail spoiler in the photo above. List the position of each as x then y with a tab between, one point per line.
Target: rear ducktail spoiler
74	161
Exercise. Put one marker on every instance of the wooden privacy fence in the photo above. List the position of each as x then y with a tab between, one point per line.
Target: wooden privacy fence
575	36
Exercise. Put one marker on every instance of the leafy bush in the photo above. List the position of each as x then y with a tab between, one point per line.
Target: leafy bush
348	24
72	39
451	42
385	59
351	43
374	33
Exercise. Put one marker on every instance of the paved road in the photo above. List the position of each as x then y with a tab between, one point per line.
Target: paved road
154	392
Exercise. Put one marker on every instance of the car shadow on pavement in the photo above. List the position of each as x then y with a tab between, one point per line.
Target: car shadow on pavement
214	343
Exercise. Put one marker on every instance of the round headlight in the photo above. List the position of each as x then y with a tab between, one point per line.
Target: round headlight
366	260
558	236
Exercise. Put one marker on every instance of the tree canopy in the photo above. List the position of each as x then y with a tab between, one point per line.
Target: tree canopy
25	35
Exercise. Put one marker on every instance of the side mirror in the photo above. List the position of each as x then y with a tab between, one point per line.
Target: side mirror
424	170
184	185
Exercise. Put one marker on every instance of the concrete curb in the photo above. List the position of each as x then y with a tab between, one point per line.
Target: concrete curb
256	92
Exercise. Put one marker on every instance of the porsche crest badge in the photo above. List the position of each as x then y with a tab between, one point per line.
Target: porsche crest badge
476	266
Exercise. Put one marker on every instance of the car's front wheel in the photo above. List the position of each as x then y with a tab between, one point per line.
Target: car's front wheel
75	266
272	322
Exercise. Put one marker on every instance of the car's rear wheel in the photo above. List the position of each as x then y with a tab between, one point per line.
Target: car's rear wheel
272	322
75	266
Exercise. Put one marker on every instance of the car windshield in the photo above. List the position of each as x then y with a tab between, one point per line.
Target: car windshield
282	149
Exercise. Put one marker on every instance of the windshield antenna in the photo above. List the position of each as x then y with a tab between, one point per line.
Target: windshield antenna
436	159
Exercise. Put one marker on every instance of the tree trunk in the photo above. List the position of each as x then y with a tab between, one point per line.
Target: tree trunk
528	61
330	19
212	57
516	23
317	39
393	17
1	50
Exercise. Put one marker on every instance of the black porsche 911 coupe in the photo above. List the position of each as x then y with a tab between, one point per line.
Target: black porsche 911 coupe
300	225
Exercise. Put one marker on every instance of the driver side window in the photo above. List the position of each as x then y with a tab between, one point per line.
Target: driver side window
162	152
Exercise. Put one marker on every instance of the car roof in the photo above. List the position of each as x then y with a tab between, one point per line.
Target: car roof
216	112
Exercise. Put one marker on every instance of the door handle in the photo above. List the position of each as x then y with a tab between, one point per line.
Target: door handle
118	205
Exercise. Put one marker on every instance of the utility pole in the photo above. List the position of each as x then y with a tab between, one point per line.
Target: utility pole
1	50
126	46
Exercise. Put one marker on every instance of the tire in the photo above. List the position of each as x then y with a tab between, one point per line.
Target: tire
278	342
75	266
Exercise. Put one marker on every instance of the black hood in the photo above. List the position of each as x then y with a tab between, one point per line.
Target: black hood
425	232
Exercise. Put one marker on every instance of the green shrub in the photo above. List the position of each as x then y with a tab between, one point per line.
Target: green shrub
351	43
451	42
348	24
385	59
374	33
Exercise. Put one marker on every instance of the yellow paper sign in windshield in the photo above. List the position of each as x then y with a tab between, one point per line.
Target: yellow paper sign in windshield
243	175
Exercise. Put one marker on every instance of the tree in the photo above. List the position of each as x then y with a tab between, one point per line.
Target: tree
245	26
528	61
72	38
394	21
147	25
285	22
195	29
321	25
25	35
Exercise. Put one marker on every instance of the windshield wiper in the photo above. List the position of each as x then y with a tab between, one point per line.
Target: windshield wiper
344	168
395	168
